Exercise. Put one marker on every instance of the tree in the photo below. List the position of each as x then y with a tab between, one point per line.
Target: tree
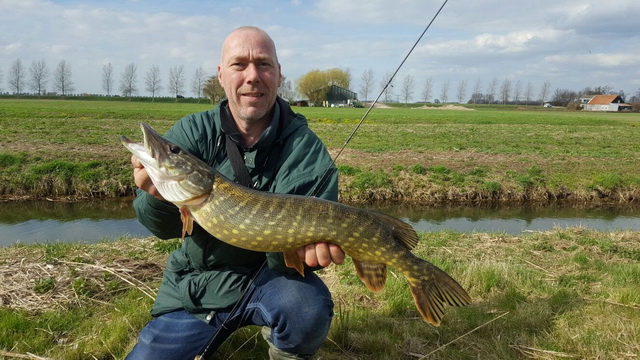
338	77
62	78
505	91
315	84
213	90
152	81
286	90
176	80
197	84
491	90
129	80
39	76
426	92
107	78
562	97
16	77
366	84
387	86
407	88
444	93
528	93
462	91
477	95
544	91
517	92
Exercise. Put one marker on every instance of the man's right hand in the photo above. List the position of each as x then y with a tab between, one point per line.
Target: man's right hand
142	179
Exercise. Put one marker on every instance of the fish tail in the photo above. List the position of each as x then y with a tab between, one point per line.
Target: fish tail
435	289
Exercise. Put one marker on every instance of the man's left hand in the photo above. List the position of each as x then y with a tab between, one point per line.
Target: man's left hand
321	254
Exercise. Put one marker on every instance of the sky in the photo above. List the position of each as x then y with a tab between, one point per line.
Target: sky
572	44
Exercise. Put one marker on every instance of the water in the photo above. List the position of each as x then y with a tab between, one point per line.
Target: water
94	221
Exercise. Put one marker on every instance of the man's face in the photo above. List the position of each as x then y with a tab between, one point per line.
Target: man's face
250	74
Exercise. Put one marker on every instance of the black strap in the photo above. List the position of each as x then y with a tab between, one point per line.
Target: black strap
237	163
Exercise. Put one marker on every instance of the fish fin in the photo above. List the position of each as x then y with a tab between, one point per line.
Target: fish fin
403	233
292	260
435	290
187	222
373	275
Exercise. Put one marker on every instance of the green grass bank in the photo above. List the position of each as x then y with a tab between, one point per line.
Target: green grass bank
63	148
560	294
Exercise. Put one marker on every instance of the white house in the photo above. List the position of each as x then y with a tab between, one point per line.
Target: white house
604	103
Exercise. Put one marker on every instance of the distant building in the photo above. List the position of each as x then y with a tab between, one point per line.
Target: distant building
338	96
603	103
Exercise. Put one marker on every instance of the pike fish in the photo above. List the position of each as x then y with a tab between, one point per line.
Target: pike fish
268	222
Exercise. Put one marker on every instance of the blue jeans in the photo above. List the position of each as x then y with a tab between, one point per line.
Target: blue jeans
298	310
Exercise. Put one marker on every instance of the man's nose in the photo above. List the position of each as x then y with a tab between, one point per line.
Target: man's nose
251	73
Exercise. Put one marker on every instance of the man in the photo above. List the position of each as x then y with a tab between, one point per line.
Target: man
210	287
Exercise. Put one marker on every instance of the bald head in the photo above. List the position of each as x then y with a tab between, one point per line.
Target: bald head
250	75
245	32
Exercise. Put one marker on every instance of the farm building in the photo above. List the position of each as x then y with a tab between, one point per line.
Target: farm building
338	96
603	103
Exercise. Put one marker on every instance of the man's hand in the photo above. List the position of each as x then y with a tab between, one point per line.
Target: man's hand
321	253
142	179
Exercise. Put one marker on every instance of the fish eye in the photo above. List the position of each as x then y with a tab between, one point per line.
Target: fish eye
175	149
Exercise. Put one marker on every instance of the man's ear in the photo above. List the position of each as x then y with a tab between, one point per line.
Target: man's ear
219	76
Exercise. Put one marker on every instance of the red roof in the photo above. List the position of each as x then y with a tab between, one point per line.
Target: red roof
603	99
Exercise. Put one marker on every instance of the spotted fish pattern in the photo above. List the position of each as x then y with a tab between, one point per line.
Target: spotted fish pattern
268	222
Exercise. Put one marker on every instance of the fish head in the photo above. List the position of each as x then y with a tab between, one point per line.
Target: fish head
179	176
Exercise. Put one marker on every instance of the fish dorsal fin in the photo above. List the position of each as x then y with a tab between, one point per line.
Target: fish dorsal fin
373	275
404	233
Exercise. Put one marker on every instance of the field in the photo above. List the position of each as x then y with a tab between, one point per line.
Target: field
562	294
71	148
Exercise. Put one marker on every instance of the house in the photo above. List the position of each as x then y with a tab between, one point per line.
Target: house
604	103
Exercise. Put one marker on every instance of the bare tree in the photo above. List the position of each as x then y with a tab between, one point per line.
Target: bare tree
505	91
517	92
444	93
39	76
492	89
477	92
528	92
462	91
407	88
366	84
62	78
129	80
286	90
544	91
176	80
197	84
152	81
387	86
107	78
428	88
16	76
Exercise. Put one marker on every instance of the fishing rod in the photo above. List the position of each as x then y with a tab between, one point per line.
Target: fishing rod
324	177
208	350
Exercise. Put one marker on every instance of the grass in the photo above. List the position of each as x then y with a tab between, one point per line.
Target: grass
565	293
71	148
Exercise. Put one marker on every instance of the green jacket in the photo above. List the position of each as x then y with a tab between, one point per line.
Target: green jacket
206	274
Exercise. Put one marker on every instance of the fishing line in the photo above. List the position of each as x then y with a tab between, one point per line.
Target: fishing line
208	351
325	176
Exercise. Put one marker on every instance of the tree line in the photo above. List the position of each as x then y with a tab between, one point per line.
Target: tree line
312	86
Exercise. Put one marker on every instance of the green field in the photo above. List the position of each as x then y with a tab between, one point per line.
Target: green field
71	148
562	294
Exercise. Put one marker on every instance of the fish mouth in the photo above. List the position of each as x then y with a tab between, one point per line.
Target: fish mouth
152	152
